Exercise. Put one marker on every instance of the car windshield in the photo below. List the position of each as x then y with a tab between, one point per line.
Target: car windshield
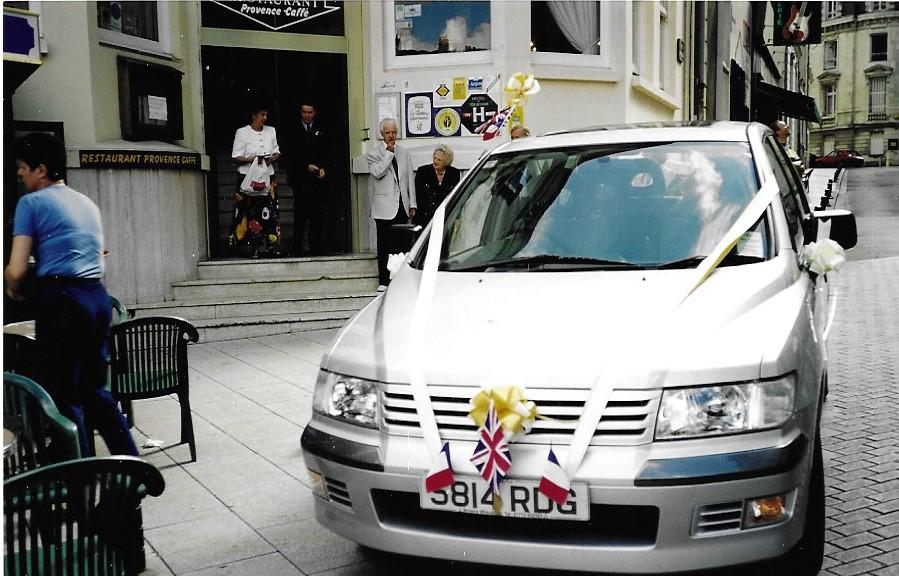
659	205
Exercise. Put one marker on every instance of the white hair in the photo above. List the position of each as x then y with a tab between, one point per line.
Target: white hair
387	121
447	153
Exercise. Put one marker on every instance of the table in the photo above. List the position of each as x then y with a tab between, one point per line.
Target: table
24	328
20	348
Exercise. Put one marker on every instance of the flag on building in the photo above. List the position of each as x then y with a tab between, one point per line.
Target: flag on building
554	484
491	456
441	474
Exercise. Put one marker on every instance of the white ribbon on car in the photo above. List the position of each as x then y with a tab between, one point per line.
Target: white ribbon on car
418	336
605	382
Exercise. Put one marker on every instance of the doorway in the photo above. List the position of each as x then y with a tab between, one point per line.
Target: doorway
234	79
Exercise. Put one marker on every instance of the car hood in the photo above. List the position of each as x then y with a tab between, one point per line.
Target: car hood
562	329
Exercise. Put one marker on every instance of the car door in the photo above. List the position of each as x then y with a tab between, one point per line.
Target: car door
797	209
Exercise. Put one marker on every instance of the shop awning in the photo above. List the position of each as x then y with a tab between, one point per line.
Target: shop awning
787	103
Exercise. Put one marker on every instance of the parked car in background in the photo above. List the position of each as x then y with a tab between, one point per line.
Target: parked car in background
657	268
838	159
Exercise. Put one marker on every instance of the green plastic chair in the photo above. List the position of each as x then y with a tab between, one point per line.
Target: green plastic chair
42	435
149	360
78	517
120	312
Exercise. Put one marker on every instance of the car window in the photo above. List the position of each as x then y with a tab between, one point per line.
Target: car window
788	195
637	205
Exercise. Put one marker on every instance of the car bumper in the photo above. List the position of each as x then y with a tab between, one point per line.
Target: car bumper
651	524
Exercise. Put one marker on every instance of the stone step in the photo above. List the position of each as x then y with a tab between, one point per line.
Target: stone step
258	286
242	307
216	330
361	264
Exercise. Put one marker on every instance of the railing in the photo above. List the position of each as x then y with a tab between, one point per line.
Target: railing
877	117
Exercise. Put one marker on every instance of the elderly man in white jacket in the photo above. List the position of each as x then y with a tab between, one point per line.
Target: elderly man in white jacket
392	188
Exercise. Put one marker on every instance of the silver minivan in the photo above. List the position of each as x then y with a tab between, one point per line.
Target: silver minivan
645	288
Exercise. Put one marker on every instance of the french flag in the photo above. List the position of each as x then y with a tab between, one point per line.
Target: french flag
441	474
554	484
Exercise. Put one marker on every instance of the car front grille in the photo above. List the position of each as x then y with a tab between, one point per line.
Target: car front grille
628	419
609	525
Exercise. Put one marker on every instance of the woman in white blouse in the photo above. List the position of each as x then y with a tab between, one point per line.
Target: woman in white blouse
255	218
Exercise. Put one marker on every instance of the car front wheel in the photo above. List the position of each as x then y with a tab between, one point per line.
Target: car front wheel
807	556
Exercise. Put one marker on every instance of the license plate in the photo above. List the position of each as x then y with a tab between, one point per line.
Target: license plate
520	499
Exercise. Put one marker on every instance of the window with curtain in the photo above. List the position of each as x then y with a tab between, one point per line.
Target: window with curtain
567	27
832	9
830	54
878	47
440	27
877	95
137	25
830	99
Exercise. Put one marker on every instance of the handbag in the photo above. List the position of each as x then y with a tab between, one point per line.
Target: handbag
257	179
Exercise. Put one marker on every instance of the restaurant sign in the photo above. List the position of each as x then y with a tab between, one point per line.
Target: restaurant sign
319	16
147	159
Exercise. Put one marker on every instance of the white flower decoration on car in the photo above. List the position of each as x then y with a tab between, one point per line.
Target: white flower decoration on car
823	257
394	261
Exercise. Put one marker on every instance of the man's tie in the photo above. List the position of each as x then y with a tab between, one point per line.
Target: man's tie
396	169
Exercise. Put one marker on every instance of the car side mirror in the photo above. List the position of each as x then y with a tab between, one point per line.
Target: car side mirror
843	229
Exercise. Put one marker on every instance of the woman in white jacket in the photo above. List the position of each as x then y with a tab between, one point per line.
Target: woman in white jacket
255	217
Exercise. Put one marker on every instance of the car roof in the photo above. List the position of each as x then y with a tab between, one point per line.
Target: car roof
635	133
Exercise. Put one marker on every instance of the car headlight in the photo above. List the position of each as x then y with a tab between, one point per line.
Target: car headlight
725	409
346	398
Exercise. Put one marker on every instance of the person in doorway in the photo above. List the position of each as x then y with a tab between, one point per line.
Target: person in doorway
307	173
782	133
392	189
519	131
63	230
433	182
255	217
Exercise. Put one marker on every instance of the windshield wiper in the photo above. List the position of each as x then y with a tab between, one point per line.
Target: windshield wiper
550	262
731	259
691	262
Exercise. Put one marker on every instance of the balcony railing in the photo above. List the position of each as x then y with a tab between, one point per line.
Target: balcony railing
877	117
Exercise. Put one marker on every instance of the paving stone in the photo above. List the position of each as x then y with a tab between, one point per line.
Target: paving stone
858	539
889	544
857	553
863	566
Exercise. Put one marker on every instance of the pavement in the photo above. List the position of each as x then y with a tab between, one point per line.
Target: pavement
245	507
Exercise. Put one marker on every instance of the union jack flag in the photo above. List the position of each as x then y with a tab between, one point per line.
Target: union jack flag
492	127
491	456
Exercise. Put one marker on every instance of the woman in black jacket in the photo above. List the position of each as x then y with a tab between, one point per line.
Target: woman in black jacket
433	182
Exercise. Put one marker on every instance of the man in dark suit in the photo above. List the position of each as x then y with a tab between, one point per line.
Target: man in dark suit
308	177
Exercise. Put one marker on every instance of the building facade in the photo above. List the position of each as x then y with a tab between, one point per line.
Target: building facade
147	97
853	75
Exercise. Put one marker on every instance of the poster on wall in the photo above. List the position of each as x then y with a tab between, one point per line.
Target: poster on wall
449	107
426	119
418	115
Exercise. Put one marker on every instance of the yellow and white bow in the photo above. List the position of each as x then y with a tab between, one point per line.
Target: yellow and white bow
515	413
519	87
